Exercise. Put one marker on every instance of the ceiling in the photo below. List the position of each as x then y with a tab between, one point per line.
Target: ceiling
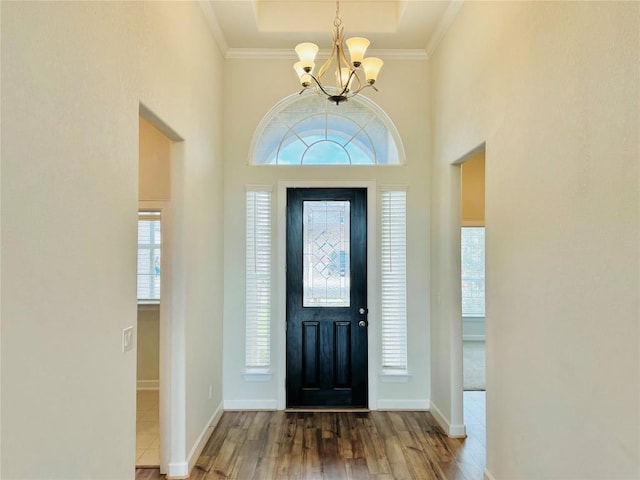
242	26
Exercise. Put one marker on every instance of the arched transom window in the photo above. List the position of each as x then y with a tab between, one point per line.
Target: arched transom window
309	130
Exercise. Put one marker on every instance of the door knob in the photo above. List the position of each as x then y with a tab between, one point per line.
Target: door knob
362	310
362	323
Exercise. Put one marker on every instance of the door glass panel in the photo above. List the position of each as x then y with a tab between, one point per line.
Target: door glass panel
327	252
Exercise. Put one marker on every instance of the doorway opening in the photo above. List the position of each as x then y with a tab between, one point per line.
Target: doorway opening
472	276
149	260
472	239
154	326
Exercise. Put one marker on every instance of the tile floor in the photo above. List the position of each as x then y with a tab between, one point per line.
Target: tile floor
475	421
147	429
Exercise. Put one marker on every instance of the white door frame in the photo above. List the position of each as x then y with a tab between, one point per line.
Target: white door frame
280	336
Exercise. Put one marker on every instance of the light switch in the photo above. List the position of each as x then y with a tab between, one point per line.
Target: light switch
127	339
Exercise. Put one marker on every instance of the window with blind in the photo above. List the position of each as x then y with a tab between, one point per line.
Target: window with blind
149	246
258	279
472	255
394	279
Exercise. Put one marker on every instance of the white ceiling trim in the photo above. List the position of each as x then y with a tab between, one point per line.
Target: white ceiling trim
443	26
289	54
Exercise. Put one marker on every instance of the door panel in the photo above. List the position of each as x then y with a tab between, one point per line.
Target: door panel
326	290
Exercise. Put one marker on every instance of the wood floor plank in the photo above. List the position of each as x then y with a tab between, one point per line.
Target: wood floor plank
332	465
312	466
357	469
246	464
376	458
322	445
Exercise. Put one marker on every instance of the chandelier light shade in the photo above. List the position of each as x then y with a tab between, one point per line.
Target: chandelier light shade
348	80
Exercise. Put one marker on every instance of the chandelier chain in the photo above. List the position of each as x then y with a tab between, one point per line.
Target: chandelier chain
337	22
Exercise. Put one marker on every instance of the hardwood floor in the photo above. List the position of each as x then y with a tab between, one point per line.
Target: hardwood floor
376	445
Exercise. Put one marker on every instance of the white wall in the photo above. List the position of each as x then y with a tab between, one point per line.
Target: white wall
249	96
148	346
552	87
73	75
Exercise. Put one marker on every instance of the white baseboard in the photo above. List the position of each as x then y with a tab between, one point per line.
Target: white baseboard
403	404
148	385
177	470
259	404
487	475
202	440
473	338
453	431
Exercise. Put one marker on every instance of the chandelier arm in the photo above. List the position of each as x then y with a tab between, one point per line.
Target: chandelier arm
337	49
346	87
367	85
326	64
319	85
360	87
343	58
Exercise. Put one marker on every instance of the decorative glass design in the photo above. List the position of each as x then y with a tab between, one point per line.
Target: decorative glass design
327	253
308	130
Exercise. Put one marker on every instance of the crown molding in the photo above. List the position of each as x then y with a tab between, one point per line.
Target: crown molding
443	26
289	54
214	26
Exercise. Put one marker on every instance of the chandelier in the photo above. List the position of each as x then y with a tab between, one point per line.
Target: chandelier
347	76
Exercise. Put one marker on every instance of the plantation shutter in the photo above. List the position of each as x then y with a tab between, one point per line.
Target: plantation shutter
394	279
258	279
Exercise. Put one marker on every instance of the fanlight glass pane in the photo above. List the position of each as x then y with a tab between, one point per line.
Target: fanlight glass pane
311	125
326	152
291	150
360	149
327	254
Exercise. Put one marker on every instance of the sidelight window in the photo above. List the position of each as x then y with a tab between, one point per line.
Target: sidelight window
394	279
258	278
